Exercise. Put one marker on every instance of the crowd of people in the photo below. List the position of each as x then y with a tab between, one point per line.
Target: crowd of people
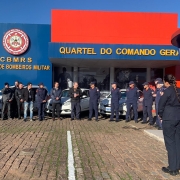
16	98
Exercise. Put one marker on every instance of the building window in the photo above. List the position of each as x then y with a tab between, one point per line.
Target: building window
98	75
156	73
124	76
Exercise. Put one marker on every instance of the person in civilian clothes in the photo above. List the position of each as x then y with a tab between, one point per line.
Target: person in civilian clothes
29	98
41	100
132	94
56	100
147	104
75	94
93	101
19	98
14	106
7	98
169	112
115	97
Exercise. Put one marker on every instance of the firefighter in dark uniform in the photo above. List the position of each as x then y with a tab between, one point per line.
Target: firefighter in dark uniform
115	97
75	94
169	112
41	100
159	91
132	94
147	104
94	95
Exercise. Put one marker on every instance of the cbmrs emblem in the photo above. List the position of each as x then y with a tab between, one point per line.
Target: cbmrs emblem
15	41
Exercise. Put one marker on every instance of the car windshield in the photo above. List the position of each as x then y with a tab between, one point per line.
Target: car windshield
123	95
104	94
0	93
65	93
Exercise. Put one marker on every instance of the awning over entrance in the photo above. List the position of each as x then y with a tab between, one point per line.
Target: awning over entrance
108	55
113	63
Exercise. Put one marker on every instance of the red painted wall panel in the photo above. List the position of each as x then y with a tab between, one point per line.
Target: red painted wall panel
175	71
78	26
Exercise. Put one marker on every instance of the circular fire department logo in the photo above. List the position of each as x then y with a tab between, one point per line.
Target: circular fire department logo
15	41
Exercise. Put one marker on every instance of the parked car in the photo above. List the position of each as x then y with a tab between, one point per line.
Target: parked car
34	87
66	102
104	94
105	104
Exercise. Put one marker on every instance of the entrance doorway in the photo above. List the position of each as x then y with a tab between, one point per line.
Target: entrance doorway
64	76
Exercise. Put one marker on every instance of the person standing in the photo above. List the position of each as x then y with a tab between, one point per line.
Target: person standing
75	94
93	101
14	106
159	90
19	98
56	100
147	104
29	98
115	97
41	100
169	112
132	94
7	98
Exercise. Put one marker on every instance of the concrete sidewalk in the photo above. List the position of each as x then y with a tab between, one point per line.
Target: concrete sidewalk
157	134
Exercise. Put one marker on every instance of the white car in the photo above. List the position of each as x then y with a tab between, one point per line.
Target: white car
105	105
104	94
66	102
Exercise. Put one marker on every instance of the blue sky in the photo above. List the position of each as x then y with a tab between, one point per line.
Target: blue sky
39	11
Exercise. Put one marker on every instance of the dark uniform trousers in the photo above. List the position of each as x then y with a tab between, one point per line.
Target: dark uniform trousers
8	105
158	121
19	105
171	132
75	109
134	106
93	105
114	107
41	108
56	106
147	112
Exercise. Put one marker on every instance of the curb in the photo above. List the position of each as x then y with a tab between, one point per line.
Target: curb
153	135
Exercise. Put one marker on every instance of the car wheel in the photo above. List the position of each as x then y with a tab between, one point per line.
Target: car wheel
131	114
103	115
49	114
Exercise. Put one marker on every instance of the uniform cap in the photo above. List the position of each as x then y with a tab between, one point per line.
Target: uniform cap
160	82
92	83
146	83
6	83
158	79
114	83
131	82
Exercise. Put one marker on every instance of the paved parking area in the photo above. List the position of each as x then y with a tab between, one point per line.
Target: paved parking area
102	150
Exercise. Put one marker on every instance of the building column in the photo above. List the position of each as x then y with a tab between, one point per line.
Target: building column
111	76
75	74
148	74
